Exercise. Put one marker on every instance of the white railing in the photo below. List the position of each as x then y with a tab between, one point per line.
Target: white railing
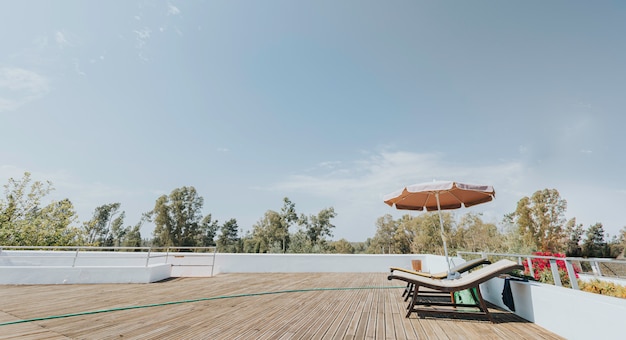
69	256
594	263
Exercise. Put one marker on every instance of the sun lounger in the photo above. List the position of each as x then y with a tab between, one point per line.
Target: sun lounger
462	268
421	304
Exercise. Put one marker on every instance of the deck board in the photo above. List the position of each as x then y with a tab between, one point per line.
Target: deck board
313	305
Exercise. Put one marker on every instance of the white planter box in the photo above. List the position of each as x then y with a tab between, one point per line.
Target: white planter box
573	314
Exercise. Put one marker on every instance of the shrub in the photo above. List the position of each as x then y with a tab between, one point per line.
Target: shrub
603	287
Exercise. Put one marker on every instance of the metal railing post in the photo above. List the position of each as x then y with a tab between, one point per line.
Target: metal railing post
213	264
572	274
597	270
148	256
555	273
75	257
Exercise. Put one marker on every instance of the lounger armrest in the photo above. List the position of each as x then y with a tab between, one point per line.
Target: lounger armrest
410	272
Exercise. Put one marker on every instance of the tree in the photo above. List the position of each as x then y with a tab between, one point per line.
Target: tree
317	227
268	234
24	222
342	247
472	234
209	229
301	244
539	220
52	226
594	244
228	240
22	199
614	248
271	233
574	234
384	239
131	236
99	230
288	216
427	231
177	219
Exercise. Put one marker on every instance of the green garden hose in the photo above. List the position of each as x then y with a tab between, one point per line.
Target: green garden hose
188	301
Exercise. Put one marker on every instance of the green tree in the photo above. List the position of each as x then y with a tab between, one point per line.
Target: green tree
178	218
342	247
539	220
24	222
301	244
427	232
229	240
594	244
54	225
383	241
288	217
574	234
472	234
131	236
209	229
100	229
268	232
317	227
404	236
614	247
22	199
271	233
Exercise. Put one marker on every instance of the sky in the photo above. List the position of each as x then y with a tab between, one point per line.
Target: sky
328	103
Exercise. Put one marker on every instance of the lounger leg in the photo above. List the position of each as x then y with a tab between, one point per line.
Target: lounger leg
413	300
408	291
483	304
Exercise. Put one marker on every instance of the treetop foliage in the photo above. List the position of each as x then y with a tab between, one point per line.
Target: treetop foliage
537	224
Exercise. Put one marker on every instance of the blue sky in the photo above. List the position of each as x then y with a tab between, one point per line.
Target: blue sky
329	103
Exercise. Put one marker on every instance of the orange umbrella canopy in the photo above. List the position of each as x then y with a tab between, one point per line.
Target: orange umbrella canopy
452	195
440	196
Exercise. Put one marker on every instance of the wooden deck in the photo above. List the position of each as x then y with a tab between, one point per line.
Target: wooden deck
235	306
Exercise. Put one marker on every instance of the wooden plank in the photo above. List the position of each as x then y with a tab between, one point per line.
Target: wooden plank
238	312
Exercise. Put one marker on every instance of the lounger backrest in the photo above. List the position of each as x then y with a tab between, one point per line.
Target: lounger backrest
462	268
472	279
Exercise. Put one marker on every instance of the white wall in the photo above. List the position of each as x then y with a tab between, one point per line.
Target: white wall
91	267
64	267
83	275
316	263
573	314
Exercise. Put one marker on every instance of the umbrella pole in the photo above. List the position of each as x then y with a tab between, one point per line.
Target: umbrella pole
443	236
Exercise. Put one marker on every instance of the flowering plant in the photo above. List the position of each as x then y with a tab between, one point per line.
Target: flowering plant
541	267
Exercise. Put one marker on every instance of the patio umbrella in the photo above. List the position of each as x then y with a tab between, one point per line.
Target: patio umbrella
441	195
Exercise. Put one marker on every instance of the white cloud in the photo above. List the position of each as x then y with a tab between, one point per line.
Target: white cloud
77	68
19	86
355	189
61	40
142	36
172	10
